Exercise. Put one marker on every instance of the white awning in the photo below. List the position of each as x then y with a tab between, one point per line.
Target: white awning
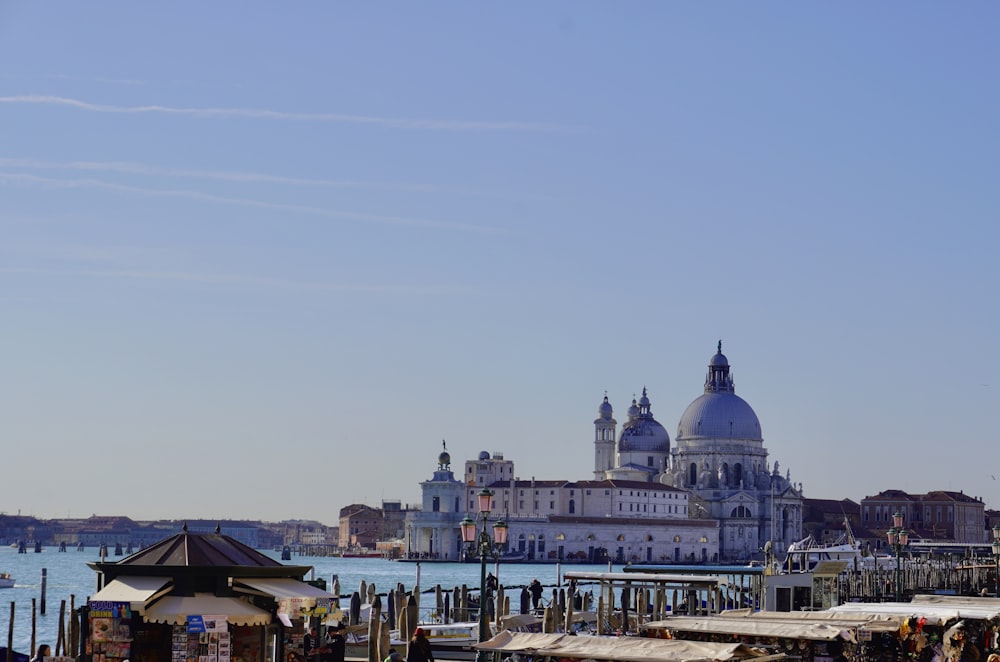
135	590
632	649
283	588
295	598
174	609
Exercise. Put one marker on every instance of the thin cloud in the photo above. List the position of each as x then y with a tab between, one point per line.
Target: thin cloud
126	168
229	279
23	178
257	113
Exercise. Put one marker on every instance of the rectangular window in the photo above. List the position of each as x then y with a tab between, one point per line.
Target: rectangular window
552	505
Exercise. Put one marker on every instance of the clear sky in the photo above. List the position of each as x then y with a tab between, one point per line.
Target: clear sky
258	259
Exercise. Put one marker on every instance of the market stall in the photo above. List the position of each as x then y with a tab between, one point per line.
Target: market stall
623	649
200	597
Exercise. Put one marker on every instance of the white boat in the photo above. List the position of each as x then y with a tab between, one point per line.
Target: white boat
804	555
6	581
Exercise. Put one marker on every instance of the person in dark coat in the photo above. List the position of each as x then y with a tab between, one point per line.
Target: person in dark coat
536	590
310	645
336	644
419	649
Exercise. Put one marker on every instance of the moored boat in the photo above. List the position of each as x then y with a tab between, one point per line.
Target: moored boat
6	581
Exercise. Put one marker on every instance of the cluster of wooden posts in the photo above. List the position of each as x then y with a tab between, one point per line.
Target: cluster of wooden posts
920	575
68	638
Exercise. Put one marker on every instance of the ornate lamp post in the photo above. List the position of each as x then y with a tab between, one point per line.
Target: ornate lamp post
898	539
480	543
996	555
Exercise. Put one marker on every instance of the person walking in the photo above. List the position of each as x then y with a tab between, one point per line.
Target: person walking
43	652
419	649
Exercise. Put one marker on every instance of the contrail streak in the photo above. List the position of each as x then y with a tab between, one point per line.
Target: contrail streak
256	113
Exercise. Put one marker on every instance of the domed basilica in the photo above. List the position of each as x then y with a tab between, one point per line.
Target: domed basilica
718	456
712	496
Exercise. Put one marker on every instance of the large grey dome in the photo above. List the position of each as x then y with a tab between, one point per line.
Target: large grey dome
719	413
722	415
642	432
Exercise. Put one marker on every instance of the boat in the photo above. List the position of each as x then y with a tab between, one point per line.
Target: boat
452	641
804	555
511	556
362	553
6	581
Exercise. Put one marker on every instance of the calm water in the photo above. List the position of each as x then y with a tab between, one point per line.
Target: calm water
68	574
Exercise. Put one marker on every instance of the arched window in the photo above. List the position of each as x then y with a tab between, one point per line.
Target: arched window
677	538
560	536
740	511
649	538
693	474
572	506
590	537
621	537
737	474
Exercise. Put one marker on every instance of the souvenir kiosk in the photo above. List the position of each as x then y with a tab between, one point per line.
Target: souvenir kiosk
199	597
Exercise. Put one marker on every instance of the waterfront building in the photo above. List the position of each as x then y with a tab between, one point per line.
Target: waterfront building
939	515
590	520
714	496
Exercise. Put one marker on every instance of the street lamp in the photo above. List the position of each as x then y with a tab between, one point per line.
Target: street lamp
996	555
898	538
480	543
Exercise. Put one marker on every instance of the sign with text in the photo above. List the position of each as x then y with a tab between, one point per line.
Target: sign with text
195	624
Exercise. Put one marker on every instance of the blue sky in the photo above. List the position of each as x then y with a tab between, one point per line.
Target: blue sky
259	259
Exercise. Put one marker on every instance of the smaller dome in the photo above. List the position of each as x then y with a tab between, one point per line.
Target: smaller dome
633	411
719	359
605	411
644	401
444	458
484	455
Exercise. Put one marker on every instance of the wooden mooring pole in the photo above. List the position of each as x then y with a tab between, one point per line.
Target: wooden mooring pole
10	635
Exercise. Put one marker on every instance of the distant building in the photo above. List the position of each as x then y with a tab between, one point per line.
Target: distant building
364	526
939	515
826	520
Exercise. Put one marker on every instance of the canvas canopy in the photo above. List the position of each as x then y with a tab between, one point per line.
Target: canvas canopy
936	614
621	649
285	588
135	590
174	609
813	630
